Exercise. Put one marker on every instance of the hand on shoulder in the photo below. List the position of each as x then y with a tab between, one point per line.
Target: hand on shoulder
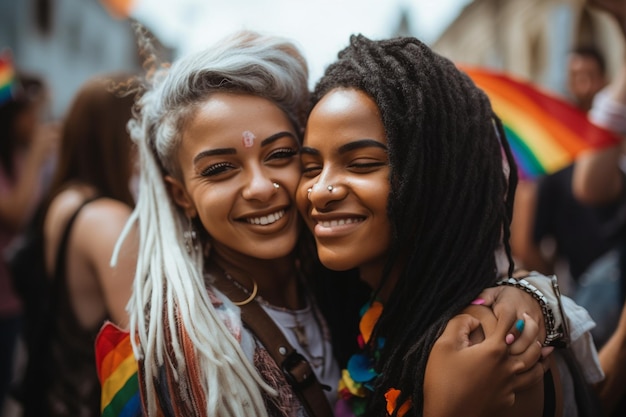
471	363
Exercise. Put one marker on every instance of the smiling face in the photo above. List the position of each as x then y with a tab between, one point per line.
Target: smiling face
345	183
240	169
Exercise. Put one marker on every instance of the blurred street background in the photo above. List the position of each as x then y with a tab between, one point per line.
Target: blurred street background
67	41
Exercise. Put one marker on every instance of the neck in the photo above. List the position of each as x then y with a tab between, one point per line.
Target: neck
373	276
277	279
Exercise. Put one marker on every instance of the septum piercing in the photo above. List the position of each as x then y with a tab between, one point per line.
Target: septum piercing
330	188
276	185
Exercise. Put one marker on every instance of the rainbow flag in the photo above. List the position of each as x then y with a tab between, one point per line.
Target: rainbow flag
7	78
545	132
117	370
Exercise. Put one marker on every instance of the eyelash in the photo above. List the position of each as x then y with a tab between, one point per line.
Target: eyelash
356	166
219	168
283	153
308	171
215	169
367	165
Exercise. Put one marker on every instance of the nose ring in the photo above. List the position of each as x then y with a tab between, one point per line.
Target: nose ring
330	188
308	190
276	185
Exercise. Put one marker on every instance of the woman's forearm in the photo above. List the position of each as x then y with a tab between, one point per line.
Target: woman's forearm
613	360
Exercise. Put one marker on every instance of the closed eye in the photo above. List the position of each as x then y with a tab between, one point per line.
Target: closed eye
363	166
311	169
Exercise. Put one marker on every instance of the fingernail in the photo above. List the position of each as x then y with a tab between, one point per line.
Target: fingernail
510	338
478	302
519	325
546	351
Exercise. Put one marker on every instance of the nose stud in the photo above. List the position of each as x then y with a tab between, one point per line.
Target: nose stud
330	188
276	185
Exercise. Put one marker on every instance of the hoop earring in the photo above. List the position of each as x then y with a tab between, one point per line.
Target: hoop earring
190	238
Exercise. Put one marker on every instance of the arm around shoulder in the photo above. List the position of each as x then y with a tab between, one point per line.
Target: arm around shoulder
470	363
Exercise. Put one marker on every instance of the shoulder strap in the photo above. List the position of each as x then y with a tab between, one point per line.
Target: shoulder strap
59	266
295	367
552	391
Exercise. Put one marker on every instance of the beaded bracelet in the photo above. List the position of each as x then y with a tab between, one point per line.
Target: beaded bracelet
554	337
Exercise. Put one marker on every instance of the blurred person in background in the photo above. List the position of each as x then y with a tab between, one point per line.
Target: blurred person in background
27	148
562	234
89	202
586	75
599	181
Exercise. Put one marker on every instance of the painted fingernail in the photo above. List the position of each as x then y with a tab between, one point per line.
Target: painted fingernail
478	302
510	338
519	325
546	351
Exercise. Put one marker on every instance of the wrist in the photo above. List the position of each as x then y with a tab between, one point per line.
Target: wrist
546	292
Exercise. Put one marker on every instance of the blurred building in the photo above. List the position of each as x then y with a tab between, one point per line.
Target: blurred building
529	38
66	42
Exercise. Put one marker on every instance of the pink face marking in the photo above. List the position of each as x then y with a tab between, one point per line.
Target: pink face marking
247	138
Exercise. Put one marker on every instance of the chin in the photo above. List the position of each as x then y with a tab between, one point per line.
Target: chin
273	249
335	261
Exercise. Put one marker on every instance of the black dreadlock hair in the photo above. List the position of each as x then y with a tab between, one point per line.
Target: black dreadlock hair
451	197
453	180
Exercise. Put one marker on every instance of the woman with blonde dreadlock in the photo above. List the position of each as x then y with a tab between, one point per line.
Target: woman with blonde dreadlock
218	134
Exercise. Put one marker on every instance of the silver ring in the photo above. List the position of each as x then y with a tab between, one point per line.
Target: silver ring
330	188
276	186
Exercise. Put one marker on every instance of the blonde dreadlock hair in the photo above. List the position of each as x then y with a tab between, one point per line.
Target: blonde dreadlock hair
169	288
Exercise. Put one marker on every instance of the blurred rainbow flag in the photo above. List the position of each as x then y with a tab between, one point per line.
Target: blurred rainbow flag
545	132
117	370
7	77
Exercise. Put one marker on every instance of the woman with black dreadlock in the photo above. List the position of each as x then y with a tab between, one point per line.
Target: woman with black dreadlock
408	177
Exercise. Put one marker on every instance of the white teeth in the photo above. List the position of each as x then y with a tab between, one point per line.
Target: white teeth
269	219
340	222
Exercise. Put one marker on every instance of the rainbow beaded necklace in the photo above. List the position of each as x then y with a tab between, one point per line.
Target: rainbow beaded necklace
357	380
